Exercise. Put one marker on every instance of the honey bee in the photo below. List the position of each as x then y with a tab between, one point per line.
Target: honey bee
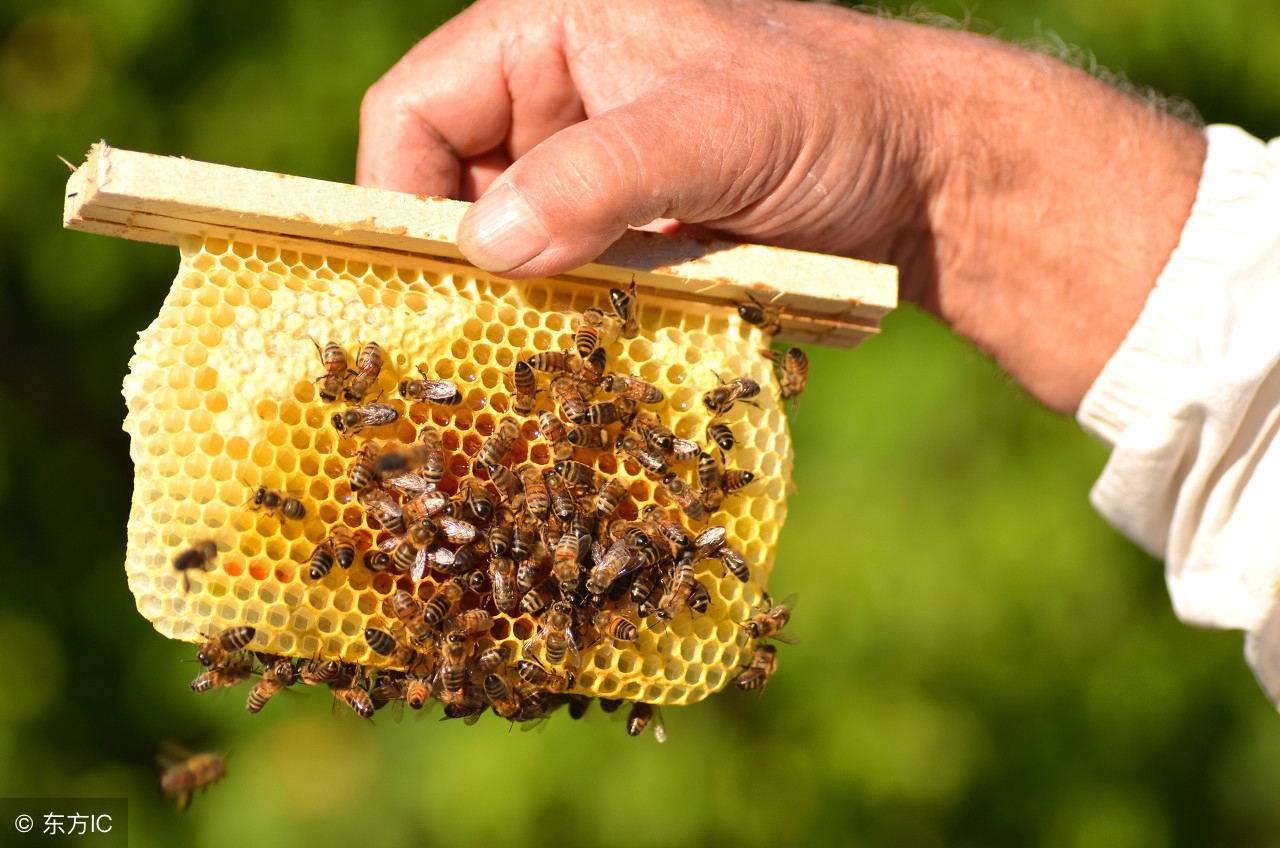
764	662
654	432
321	561
276	676
552	361
501	695
766	621
426	455
496	447
644	589
218	649
500	534
524	539
478	499
572	404
678	587
492	659
406	608
699	599
355	698
473	622
181	778
626	307
542	678
230	673
380	641
273	501
323	672
608	411
610	564
593	368
610	705
377	561
635	448
683	450
417	691
565	564
684	496
200	555
722	398
537	497
506	482
587	337
563	503
735	478
793	370
553	432
389	688
591	436
575	474
721	435
440	392
453	661
578	706
384	510
640	717
361	472
368	367
356	418
615	625
444	602
334	360
767	318
610	496
457	531
633	388
664	525
538	598
525	383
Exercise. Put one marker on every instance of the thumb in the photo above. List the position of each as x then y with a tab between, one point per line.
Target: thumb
570	197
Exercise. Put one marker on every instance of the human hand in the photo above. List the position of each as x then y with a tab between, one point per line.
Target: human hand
1028	205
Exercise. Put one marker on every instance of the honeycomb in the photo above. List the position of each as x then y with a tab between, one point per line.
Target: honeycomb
223	398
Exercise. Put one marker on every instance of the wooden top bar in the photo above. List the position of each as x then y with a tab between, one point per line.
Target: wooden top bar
829	300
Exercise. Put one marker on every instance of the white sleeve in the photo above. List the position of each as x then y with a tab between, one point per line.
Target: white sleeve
1190	404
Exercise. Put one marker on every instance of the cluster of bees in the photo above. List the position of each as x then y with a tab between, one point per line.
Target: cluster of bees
477	534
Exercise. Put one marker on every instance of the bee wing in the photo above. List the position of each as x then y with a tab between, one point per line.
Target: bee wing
443	391
410	485
784	636
389	544
171	754
420	562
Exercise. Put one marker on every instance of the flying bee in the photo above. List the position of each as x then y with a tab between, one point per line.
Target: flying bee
542	678
666	526
355	698
501	695
473	622
610	496
615	625
525	385
386	511
361	472
216	650
572	404
722	398
641	716
678	587
334	360
182	777
453	661
496	447
764	662
502	577
276	676
633	388
411	614
321	561
439	392
757	314
576	474
654	432
444	602
538	598
537	497
553	361
356	418
273	501
368	367
684	496
766	621
793	370
200	555
609	411
722	435
227	674
593	368
626	306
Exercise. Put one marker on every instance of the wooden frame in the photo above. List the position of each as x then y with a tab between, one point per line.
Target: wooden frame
829	300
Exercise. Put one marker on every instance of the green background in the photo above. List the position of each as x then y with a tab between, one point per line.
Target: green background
984	662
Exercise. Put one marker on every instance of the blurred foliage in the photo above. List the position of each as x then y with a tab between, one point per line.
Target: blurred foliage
984	661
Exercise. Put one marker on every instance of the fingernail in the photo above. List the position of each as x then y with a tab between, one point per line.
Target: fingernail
500	231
